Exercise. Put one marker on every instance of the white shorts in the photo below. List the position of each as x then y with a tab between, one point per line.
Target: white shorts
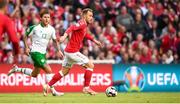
74	58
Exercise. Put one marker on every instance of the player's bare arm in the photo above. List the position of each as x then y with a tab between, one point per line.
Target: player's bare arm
59	53
27	50
90	37
98	43
62	38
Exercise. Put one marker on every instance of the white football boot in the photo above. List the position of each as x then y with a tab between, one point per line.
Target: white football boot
13	70
46	89
88	90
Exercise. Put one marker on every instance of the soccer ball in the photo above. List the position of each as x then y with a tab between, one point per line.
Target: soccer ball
111	91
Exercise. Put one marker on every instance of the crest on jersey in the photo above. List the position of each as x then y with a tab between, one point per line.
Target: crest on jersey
28	30
42	60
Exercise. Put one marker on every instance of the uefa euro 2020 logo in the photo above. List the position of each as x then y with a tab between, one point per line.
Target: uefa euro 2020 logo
134	79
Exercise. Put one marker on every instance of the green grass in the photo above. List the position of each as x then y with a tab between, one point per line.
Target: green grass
83	98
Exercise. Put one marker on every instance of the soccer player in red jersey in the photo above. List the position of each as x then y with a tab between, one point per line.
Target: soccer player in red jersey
6	25
72	55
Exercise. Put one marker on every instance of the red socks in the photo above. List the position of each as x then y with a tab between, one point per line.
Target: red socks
55	78
87	77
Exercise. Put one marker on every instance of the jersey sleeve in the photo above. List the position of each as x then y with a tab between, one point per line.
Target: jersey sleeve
10	29
69	30
88	36
77	26
53	34
29	30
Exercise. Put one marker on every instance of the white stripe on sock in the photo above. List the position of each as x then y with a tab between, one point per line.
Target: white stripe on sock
89	69
27	71
49	77
61	73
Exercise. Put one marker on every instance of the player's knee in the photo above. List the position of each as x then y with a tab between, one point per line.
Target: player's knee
91	65
34	75
49	72
47	69
64	71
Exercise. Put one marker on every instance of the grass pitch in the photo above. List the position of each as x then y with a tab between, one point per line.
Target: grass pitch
84	98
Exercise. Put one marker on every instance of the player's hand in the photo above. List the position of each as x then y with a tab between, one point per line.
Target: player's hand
27	50
60	54
61	40
98	43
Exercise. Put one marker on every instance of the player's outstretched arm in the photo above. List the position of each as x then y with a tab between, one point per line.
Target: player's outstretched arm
78	26
98	43
62	38
88	36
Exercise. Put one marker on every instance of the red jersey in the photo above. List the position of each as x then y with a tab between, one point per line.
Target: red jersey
6	25
78	32
116	48
145	59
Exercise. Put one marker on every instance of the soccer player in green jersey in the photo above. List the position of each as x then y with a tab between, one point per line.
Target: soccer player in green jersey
40	34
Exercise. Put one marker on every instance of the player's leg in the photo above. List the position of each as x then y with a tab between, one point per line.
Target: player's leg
64	71
40	62
36	71
87	78
49	76
88	73
15	68
26	71
36	58
89	66
66	66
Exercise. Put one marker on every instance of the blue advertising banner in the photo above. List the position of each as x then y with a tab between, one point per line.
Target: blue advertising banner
151	77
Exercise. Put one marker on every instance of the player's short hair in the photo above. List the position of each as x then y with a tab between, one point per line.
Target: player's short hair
44	11
84	11
3	3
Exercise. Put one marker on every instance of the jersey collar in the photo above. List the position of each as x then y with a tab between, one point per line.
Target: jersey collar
42	24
